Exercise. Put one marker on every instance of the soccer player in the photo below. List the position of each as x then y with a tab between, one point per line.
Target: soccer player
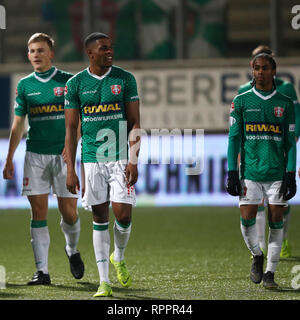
105	98
288	89
262	129
40	97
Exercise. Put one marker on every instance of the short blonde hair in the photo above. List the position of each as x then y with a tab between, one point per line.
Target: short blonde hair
41	37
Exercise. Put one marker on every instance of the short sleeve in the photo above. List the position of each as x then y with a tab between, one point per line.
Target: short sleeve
71	95
20	102
131	93
235	117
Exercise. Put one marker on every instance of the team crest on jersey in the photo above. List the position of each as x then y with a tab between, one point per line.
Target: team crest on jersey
278	111
116	89
58	91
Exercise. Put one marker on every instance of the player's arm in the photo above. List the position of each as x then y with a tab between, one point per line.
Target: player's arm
297	119
64	154
71	141
17	130
290	143
234	138
15	137
293	95
289	187
133	122
234	145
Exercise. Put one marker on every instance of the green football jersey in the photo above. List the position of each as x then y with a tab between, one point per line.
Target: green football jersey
40	96
262	127
102	105
286	88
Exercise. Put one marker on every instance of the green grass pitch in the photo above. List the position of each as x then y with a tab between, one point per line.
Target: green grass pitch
182	253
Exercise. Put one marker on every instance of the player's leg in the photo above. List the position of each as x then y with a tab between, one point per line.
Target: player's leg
123	198
36	186
250	199
286	248
276	206
101	243
122	230
70	226
70	221
261	227
275	214
40	239
96	199
248	229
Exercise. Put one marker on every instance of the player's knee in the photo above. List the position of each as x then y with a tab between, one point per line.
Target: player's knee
124	219
276	213
69	214
72	219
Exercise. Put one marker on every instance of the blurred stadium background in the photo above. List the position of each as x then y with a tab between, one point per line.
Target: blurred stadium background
189	58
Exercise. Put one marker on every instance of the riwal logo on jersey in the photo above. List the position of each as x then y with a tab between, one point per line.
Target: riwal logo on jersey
51	108
263	128
278	111
116	89
58	91
102	108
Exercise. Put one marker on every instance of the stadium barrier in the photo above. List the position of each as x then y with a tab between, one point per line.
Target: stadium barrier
181	94
163	176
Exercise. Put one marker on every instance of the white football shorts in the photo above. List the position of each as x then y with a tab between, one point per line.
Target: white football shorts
253	192
106	182
43	172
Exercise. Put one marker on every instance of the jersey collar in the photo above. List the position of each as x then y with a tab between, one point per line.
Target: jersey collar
262	96
97	77
48	78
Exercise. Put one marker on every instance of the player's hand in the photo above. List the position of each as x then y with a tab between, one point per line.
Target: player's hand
72	182
8	170
233	186
131	174
289	187
299	172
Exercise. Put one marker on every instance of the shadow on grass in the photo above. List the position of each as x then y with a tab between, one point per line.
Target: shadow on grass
10	295
118	293
132	294
80	286
16	285
7	295
23	286
290	259
285	289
